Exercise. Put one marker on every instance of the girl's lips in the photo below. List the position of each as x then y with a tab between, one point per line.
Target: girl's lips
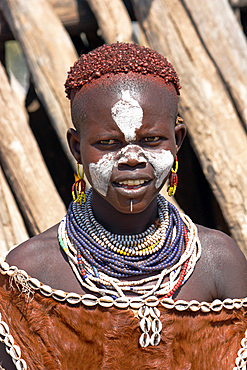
131	184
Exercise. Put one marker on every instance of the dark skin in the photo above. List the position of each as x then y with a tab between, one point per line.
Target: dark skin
221	270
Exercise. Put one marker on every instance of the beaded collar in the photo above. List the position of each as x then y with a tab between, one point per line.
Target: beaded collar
162	258
100	259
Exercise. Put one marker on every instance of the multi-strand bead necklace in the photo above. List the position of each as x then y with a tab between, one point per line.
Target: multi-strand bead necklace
158	261
133	268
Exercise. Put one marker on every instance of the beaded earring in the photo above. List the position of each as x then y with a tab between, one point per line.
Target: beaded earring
173	179
179	120
79	187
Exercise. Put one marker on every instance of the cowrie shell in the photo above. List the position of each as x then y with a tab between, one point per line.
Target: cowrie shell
167	303
143	311
59	295
4	267
136	304
144	340
34	283
152	301
12	270
145	325
156	326
21	365
4	329
46	290
244	342
89	300
228	304
242	353
244	302
9	340
73	298
154	312
205	307
155	339
181	305
121	302
240	363
23	274
14	352
216	305
105	301
237	303
194	305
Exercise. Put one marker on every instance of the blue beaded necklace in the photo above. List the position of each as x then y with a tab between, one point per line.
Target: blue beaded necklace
101	258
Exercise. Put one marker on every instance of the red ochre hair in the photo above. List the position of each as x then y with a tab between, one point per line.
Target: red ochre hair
119	58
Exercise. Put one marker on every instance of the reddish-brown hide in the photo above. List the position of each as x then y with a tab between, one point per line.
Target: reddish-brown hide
55	336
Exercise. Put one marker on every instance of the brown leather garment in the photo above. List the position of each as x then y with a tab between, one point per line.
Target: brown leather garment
56	336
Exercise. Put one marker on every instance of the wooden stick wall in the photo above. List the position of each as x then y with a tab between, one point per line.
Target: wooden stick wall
207	47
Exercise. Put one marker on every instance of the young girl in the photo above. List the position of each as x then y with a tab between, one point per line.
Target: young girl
124	281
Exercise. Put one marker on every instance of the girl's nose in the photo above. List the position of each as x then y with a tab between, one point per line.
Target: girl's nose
132	157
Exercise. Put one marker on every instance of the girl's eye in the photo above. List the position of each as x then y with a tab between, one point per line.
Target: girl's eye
107	142
151	139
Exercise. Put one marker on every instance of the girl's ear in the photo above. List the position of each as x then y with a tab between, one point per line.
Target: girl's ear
180	132
74	144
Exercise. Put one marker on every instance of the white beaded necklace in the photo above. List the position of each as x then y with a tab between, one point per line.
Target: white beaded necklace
157	284
143	289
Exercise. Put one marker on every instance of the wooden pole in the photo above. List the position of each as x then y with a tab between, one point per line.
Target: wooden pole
239	3
49	53
23	164
226	45
75	15
113	20
217	134
12	228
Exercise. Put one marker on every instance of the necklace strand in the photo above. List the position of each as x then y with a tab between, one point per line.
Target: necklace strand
168	265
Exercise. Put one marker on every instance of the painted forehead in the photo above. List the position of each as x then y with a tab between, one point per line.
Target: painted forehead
119	87
137	83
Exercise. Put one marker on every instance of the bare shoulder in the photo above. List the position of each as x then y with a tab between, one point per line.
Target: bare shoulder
34	256
225	261
31	256
43	258
219	246
35	253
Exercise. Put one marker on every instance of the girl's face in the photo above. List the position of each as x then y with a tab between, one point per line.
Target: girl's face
126	137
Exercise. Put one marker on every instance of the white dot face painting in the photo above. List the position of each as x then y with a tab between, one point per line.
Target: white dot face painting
128	115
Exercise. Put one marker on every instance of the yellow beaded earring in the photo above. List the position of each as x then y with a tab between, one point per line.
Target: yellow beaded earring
179	120
173	179
79	187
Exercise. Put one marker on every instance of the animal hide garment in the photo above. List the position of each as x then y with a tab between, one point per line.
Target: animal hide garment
58	336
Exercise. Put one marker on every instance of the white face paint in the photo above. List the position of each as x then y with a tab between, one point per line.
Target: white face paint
162	163
127	114
131	152
101	171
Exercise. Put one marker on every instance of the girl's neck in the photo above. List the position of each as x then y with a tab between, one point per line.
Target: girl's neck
121	223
